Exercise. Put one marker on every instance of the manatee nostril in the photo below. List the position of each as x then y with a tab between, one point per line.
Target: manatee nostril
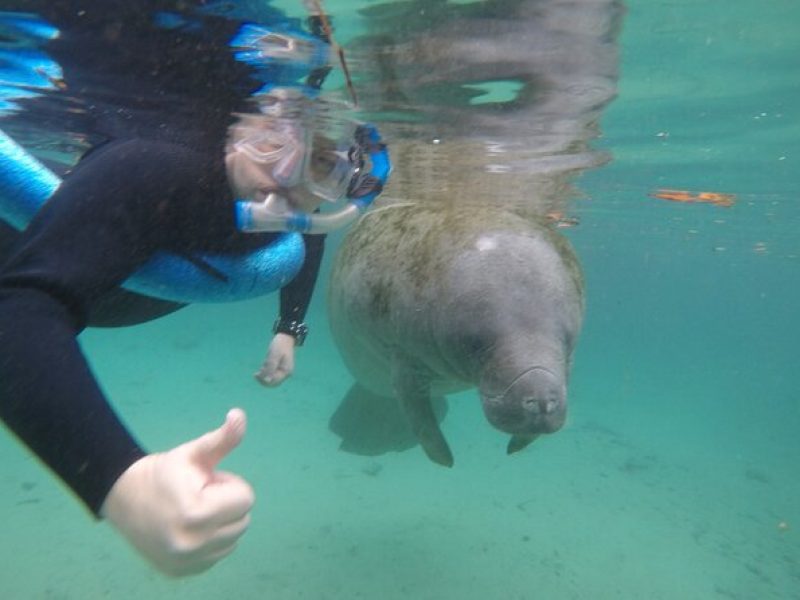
538	406
532	405
535	401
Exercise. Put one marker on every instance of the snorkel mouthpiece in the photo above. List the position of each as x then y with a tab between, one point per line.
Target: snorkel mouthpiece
362	189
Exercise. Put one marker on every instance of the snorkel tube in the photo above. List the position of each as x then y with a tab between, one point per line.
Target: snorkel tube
361	192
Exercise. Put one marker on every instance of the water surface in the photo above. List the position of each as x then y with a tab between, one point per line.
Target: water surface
676	474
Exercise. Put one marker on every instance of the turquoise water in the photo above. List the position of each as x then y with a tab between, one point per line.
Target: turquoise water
676	476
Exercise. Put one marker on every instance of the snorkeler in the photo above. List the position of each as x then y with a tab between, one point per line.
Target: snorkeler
194	125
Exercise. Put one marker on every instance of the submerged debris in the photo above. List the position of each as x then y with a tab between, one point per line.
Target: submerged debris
715	198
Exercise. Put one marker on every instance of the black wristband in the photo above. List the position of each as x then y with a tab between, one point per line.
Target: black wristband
297	329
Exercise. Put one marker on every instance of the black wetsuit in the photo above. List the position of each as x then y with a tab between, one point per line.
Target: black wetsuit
157	183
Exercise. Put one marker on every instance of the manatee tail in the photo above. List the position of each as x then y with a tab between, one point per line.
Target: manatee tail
369	424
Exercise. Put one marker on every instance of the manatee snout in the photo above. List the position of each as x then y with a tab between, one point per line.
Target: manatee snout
534	403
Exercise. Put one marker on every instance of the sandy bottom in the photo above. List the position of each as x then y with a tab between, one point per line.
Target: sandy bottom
630	500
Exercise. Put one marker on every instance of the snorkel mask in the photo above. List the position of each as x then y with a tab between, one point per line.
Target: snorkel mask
352	165
331	171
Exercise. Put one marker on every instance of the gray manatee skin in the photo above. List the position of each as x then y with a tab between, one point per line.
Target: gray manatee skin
430	299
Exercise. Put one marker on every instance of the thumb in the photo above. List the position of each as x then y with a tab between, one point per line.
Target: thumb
210	448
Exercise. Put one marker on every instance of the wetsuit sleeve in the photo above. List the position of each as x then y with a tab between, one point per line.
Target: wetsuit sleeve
296	296
103	223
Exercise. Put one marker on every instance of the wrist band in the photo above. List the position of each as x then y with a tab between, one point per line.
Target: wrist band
297	329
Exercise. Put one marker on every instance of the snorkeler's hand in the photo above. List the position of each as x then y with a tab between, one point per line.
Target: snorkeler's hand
279	363
177	510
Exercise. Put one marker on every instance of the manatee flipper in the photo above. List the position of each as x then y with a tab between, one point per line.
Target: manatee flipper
412	386
369	424
519	442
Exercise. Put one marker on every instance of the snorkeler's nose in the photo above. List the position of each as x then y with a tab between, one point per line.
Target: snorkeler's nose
287	171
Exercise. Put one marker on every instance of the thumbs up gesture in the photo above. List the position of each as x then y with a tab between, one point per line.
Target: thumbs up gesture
177	510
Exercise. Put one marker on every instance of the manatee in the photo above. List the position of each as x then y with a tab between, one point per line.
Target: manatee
427	299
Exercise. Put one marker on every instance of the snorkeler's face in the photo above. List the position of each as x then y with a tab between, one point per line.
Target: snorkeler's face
247	179
262	159
281	157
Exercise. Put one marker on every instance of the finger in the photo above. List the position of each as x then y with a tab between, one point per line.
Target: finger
287	365
274	357
208	547
222	553
265	378
210	448
274	373
205	563
194	565
218	477
270	368
225	502
223	538
279	376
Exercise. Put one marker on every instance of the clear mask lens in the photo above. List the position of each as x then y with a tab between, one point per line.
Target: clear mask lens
266	147
276	149
325	162
330	167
